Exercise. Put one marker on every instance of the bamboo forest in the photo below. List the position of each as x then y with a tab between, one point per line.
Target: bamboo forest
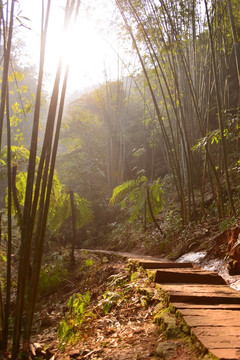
119	179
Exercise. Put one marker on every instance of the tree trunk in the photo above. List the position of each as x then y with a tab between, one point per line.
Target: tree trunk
74	233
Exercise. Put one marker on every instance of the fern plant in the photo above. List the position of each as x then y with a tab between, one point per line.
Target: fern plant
69	327
141	197
60	207
62	211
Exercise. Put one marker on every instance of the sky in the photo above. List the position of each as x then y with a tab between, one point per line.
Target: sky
89	50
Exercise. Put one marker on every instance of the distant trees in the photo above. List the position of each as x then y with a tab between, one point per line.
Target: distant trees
188	66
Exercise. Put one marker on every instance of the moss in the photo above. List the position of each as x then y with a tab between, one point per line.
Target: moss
164	296
172	324
133	265
151	274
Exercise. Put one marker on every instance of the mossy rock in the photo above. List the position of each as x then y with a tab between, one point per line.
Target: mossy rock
166	320
164	296
167	349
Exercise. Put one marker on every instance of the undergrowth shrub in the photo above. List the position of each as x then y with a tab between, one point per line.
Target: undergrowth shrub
51	278
70	326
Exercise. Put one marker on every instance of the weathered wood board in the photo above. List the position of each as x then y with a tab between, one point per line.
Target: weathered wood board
209	306
226	354
201	294
189	276
164	265
217	331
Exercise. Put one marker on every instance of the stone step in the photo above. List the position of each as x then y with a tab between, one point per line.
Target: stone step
190	276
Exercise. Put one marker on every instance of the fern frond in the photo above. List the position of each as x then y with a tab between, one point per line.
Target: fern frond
59	213
121	191
84	213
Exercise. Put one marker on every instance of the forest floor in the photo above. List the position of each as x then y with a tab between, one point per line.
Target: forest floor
117	324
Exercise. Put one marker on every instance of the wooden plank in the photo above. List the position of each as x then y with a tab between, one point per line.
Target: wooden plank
226	354
206	320
188	277
212	313
201	294
201	290
207	306
189	270
216	331
211	300
164	265
220	341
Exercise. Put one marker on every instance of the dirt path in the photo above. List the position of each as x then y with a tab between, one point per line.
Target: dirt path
126	255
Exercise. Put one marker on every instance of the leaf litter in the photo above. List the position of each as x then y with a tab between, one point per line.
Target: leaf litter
118	324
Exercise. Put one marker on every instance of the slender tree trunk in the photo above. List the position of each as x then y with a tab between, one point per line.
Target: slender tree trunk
15	195
2	319
26	223
42	196
39	241
6	58
74	233
9	238
151	212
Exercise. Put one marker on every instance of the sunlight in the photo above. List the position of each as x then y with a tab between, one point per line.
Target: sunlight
82	46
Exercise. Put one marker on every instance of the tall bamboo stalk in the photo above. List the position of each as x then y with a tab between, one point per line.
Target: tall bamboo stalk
9	236
235	40
6	60
24	260
47	179
220	114
74	233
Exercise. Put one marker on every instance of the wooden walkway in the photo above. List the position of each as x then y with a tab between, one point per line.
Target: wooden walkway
209	306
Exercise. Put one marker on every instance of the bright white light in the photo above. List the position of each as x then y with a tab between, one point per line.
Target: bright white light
83	47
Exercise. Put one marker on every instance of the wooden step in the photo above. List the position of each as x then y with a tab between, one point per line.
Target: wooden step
164	265
217	329
201	294
189	276
181	306
207	317
226	354
221	341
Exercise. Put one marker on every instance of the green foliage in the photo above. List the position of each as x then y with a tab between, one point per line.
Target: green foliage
19	154
88	262
231	133
121	193
21	180
3	257
211	138
51	277
110	299
227	223
60	207
135	194
61	211
68	328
